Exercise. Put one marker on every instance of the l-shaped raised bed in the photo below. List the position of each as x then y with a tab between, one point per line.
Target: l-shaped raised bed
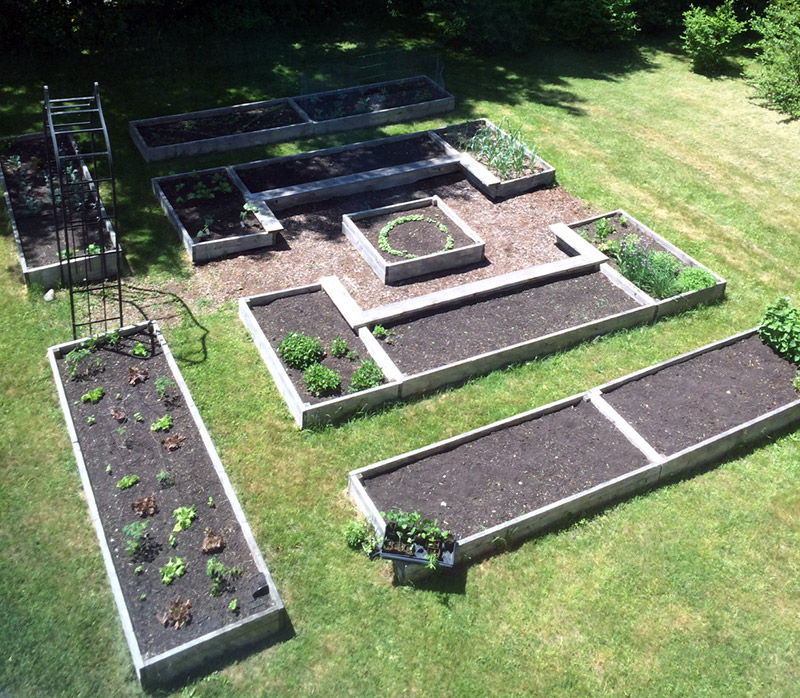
277	120
514	478
187	577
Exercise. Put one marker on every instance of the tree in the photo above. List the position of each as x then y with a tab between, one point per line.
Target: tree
707	36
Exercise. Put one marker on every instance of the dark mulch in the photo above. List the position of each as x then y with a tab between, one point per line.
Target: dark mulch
222	211
315	315
199	128
736	383
367	99
117	444
31	201
417	238
289	172
436	339
510	472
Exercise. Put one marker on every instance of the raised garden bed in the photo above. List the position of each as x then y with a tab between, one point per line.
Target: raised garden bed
25	179
516	477
277	120
212	216
661	271
412	238
497	162
311	310
188	579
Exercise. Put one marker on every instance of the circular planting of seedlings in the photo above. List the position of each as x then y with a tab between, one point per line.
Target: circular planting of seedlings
413	227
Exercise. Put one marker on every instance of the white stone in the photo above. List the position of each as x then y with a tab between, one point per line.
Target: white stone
50	295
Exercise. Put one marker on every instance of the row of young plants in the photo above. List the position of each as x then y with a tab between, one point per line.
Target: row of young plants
383	235
304	353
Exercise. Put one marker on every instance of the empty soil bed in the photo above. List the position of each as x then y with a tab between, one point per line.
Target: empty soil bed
203	127
210	206
439	338
689	402
116	440
315	315
414	237
293	171
509	472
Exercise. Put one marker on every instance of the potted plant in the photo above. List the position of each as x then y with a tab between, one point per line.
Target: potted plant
411	538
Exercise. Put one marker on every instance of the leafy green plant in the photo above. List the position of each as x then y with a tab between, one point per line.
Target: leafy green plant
693	279
359	535
233	606
139	349
93	248
383	234
162	384
162	424
134	536
247	208
602	229
780	329
379	332
174	568
501	148
655	272
164	479
127	481
183	517
367	375
707	36
172	540
300	351
91	420
208	221
796	381
93	395
340	350
74	358
138	416
221	576
321	380
411	528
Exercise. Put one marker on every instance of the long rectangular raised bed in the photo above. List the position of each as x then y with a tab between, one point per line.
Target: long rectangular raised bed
620	446
258	612
298	122
91	267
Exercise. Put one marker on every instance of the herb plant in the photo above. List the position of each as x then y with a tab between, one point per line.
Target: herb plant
174	568
367	375
300	351
321	380
74	358
693	279
183	517
162	384
340	350
134	536
780	329
220	575
164	479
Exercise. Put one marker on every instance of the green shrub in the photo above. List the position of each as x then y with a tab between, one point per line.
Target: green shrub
707	36
693	279
359	535
777	78
339	348
367	375
321	380
300	351
780	329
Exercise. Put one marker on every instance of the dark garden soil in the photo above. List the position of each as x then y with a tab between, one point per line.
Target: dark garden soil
367	99
460	137
509	472
739	382
199	128
417	238
438	338
31	200
315	315
290	172
210	199
120	442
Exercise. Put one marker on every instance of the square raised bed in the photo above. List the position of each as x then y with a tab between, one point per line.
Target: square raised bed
27	193
212	216
144	457
409	239
516	477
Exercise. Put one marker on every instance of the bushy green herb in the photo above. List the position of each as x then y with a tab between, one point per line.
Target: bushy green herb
379	332
164	479
693	279
367	375
780	329
359	535
74	358
139	349
162	384
134	535
93	395
321	380
162	424
174	568
383	235
220	575
340	350
183	517
655	272
300	351
127	481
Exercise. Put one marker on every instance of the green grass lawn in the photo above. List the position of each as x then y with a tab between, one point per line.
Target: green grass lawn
693	590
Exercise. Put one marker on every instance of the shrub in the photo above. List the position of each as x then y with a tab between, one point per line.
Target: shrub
707	36
777	79
780	329
300	351
693	279
339	348
367	375
321	380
